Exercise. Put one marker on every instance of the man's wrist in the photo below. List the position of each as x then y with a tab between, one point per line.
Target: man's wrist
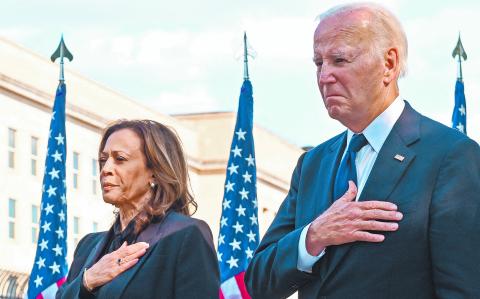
313	245
306	261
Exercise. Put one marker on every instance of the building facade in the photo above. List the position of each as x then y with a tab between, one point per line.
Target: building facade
27	86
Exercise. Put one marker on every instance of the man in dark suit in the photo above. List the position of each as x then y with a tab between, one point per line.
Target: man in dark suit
391	207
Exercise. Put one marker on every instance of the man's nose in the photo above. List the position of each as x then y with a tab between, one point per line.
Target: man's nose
325	74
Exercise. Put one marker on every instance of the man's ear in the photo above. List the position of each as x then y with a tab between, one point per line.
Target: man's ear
391	66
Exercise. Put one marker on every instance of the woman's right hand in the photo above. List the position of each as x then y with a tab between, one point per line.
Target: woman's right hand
114	263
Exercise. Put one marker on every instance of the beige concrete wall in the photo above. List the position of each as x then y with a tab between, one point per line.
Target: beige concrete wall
21	185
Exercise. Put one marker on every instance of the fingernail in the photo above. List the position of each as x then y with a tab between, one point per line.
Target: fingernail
399	215
394	226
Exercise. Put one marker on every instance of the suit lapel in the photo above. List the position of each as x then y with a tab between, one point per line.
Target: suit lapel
326	175
388	169
395	159
324	178
118	284
98	249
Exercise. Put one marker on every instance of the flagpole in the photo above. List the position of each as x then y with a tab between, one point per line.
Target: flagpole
460	52
245	57
460	75
61	52
50	267
238	235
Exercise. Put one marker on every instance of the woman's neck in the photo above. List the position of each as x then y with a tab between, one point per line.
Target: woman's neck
128	212
126	217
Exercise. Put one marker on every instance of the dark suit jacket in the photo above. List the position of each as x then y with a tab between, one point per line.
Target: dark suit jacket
180	263
434	254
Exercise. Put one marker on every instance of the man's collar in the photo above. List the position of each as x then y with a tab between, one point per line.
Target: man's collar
379	129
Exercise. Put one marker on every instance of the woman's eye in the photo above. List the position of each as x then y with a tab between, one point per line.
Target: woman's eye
120	158
339	60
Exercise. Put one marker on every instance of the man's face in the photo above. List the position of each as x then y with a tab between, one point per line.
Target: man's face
349	74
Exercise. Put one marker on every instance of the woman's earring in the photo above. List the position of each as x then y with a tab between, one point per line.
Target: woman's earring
152	185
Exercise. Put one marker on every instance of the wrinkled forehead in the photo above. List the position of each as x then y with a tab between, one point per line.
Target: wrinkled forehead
350	27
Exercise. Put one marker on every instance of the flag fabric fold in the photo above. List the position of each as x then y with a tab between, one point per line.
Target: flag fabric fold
50	266
459	116
239	234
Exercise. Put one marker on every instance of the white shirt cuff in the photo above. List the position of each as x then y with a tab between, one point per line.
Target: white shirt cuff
306	261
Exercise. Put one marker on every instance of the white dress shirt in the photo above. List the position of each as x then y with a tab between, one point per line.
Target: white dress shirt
376	133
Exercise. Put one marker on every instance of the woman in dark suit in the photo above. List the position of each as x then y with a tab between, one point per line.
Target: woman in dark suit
154	249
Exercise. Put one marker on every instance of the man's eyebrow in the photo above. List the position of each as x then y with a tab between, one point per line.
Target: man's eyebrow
337	52
334	53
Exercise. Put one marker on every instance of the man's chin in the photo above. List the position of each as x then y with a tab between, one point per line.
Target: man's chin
334	112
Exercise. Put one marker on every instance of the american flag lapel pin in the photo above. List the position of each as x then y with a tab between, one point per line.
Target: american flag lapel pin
399	157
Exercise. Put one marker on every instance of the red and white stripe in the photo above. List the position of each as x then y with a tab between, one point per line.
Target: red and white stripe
51	291
234	288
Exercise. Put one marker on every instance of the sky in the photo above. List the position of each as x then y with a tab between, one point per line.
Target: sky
186	56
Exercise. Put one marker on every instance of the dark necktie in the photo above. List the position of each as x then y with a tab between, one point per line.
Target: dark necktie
348	170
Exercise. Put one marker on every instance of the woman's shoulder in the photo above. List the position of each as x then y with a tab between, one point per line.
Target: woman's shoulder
93	237
90	240
186	221
176	223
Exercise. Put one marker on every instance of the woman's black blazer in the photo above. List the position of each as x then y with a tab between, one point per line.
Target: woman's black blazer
180	263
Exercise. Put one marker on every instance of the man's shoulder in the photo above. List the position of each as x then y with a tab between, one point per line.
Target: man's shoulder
433	130
421	131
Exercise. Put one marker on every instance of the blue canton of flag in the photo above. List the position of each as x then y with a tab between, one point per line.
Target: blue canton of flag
238	237
459	117
50	266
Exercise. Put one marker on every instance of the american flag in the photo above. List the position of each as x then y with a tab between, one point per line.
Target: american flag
50	266
459	116
238	237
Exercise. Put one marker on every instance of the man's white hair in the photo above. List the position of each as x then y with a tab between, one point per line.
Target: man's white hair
386	28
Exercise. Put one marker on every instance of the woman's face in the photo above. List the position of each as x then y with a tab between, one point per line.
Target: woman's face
124	176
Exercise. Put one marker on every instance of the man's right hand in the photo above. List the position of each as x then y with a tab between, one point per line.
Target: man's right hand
347	221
